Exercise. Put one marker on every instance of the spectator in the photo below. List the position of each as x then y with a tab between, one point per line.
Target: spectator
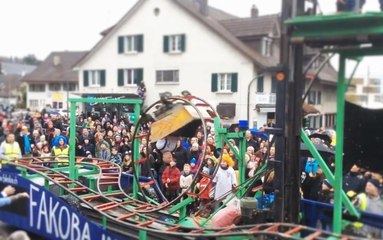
25	141
170	177
7	196
9	149
127	163
61	150
224	181
104	152
115	156
186	178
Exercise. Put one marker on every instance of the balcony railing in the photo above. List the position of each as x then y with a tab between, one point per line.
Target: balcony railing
265	98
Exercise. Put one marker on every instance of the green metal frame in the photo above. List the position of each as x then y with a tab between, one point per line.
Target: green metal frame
326	30
73	171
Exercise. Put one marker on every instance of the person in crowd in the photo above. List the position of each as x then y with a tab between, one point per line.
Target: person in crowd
37	149
115	156
9	149
104	152
87	146
186	178
127	163
205	193
224	180
61	150
181	155
250	141
354	180
7	196
170	177
195	152
193	166
25	141
370	201
210	164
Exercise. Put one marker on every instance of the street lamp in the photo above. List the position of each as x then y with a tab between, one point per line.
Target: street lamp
248	94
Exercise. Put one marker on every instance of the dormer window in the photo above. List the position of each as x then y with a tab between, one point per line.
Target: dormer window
266	46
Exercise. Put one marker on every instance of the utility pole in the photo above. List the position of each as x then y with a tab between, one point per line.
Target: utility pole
289	120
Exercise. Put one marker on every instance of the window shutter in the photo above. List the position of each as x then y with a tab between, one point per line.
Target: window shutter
319	98
138	75
86	78
214	82
140	43
260	82
166	44
234	82
183	42
120	44
120	76
102	78
273	84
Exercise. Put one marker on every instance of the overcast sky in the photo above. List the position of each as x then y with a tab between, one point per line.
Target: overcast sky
41	26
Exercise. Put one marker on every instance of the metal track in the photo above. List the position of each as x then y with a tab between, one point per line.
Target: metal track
125	213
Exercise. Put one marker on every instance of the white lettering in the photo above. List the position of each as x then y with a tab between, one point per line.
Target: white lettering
75	227
64	235
86	232
33	203
52	216
43	212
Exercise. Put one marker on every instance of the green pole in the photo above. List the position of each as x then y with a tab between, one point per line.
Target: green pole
241	161
72	141
341	89
327	172
136	154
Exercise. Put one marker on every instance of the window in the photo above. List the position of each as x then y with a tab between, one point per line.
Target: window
315	97
54	87
167	76
131	44
131	76
174	43
266	46
224	82
260	82
33	103
37	88
72	86
94	78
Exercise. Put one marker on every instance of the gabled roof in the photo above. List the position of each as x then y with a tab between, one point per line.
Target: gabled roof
252	26
215	13
62	71
209	21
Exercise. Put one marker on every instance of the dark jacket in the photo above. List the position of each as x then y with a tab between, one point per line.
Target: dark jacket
181	156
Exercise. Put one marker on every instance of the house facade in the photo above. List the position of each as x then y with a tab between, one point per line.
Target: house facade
53	81
176	45
10	81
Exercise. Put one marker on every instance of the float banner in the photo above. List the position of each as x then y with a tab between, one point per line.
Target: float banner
46	215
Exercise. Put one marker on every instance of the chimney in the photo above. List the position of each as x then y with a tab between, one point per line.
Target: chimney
56	60
203	7
254	11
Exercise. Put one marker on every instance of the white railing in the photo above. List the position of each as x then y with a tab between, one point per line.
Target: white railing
265	98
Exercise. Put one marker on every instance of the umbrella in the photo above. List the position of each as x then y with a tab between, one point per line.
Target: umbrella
323	150
325	137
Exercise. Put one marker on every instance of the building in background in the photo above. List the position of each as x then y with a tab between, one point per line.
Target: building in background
11	74
53	81
172	46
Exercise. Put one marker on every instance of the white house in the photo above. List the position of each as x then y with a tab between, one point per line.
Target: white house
176	45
